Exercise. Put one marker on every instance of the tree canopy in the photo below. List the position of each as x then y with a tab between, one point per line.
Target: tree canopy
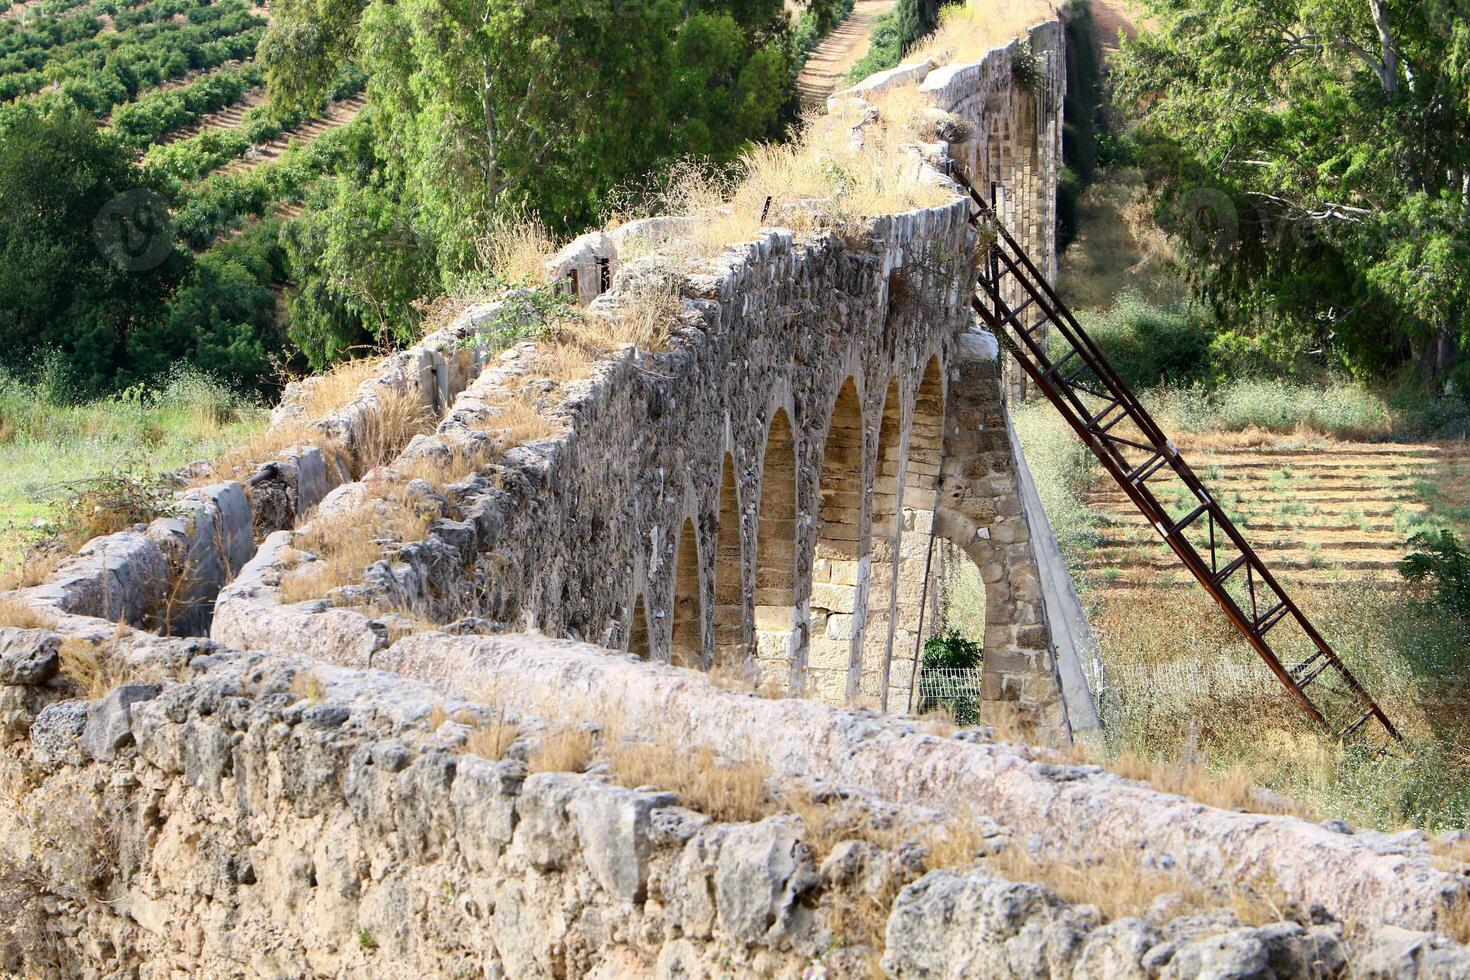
84	240
1314	156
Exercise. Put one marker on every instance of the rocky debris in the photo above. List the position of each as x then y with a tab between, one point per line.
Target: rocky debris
28	656
56	733
109	720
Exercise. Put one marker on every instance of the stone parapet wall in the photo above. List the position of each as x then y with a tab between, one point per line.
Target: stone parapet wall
271	815
165	576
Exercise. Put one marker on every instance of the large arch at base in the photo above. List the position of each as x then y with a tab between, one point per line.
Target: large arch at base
775	555
839	569
920	484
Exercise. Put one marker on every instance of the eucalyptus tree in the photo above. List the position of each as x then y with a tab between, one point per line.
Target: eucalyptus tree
1314	155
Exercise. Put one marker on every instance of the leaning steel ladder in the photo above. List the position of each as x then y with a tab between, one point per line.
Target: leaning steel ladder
1109	418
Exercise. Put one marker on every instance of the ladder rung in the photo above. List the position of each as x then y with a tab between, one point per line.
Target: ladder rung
1187	520
1057	366
1271	618
1309	678
1148	468
1016	313
1362	720
1092	423
1301	668
1229	570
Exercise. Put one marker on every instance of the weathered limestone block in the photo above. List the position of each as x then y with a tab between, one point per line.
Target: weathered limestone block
762	871
28	656
56	733
969	925
613	826
109	720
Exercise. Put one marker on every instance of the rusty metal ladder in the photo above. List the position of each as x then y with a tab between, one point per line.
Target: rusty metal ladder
1105	413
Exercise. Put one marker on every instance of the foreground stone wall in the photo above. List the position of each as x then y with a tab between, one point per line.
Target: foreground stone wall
270	815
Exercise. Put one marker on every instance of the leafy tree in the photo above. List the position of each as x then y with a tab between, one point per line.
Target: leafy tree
1315	157
361	267
1442	561
88	256
498	105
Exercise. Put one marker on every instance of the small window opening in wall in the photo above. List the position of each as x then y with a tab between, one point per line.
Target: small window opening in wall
604	275
573	281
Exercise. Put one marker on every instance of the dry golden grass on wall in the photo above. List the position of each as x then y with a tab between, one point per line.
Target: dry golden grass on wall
567	750
823	178
517	247
725	790
20	615
967	33
1119	887
34	567
343	549
329	392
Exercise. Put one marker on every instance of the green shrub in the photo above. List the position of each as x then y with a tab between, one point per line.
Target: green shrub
1440	561
1150	345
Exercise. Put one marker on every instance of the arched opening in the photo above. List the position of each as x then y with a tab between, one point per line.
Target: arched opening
775	554
729	591
837	574
916	585
638	629
883	551
687	649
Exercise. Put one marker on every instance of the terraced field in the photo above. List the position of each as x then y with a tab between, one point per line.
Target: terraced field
1318	512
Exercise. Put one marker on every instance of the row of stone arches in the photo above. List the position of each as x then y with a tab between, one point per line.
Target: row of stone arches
852	636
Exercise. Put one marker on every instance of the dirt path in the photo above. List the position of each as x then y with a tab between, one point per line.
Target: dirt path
229	117
828	66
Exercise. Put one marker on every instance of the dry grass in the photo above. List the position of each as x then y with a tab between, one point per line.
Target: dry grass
90	667
400	416
331	390
1120	887
567	750
34	567
327	393
344	547
1234	788
1455	922
967	33
824	178
724	790
306	686
14	612
490	741
517	421
1454	858
515	250
647	315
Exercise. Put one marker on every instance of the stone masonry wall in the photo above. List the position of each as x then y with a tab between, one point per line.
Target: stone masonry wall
810	382
269	815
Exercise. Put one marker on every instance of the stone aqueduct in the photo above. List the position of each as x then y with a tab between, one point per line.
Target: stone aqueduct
768	489
302	792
